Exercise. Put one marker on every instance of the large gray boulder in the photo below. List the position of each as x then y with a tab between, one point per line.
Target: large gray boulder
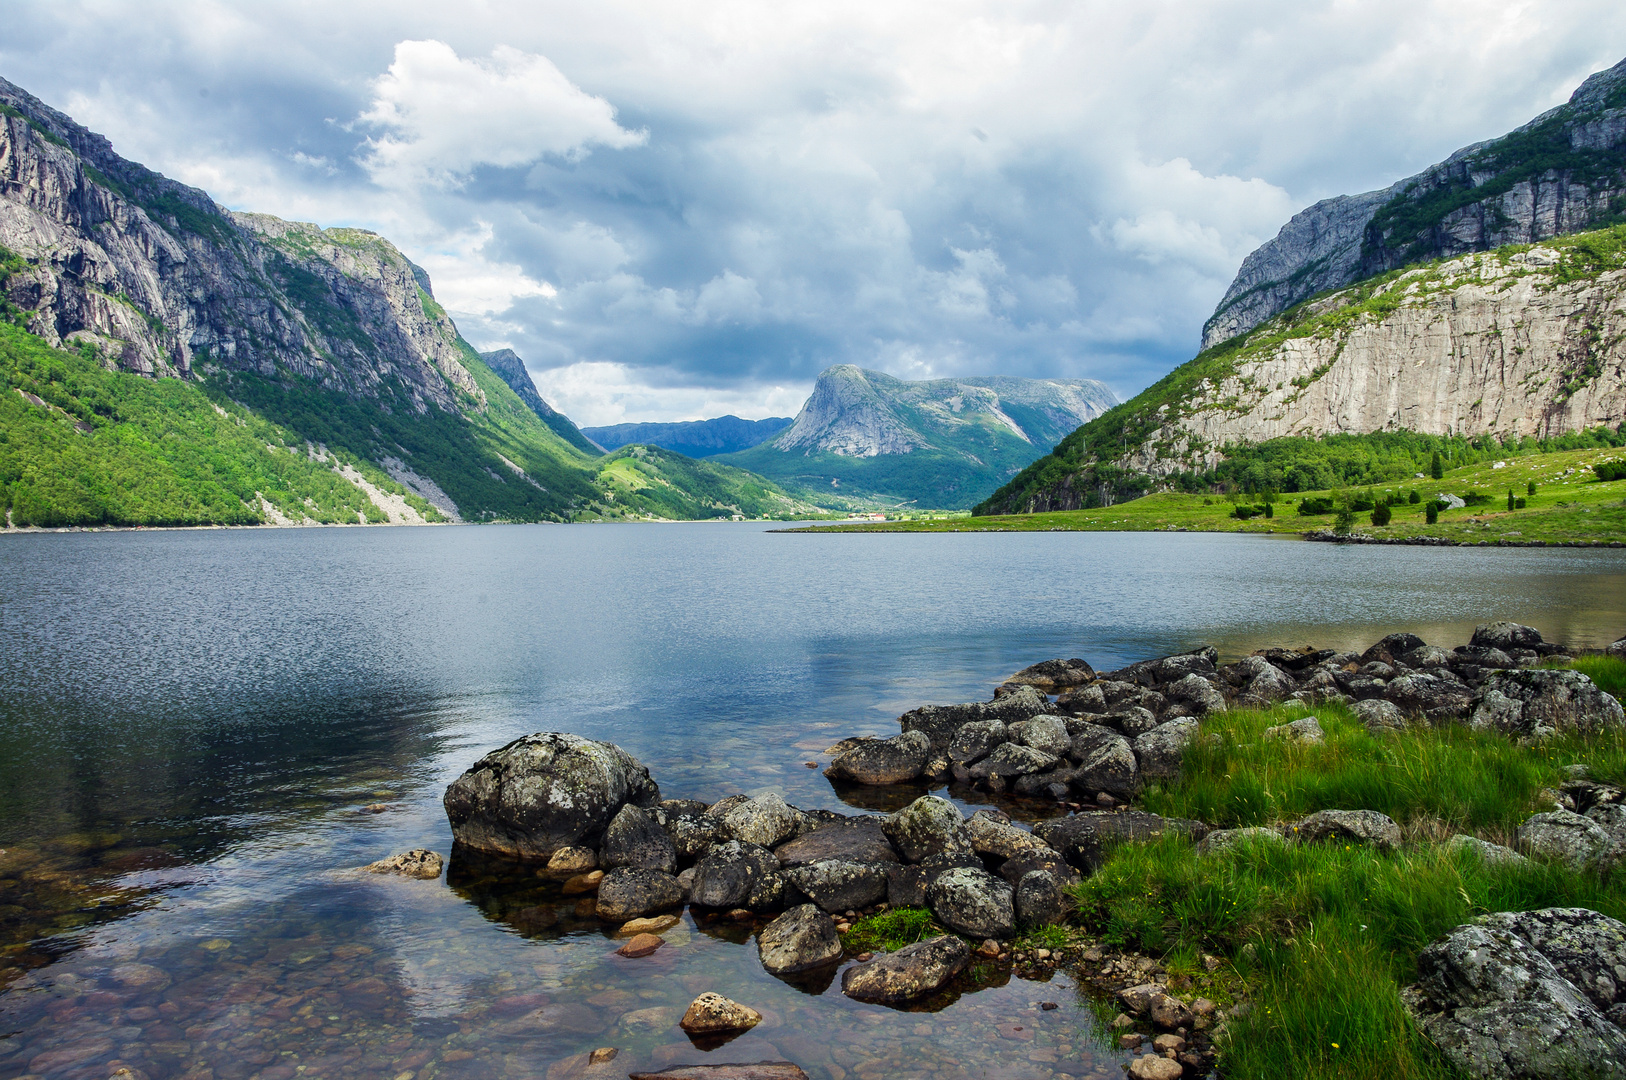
1536	704
913	972
1046	734
763	820
1499	1009
1197	692
737	874
1013	759
992	833
1228	839
977	740
1053	675
1041	901
857	840
1488	853
1587	948
1505	636
628	892
928	826
1363	827
1106	762
693	834
1378	715
973	902
801	939
1160	751
1437	696
835	885
1086	839
543	792
1560	836
940	723
633	838
883	761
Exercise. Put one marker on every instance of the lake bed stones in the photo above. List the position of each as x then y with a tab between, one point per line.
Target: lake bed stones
913	972
543	792
418	863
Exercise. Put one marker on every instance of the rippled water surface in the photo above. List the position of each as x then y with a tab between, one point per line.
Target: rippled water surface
191	722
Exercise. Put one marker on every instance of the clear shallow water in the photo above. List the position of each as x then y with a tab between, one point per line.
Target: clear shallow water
189	722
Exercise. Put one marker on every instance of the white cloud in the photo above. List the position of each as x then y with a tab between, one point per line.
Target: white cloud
599	394
444	115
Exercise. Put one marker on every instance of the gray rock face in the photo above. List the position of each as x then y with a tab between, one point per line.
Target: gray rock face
1160	750
765	821
628	892
883	761
1046	734
1535	704
692	834
801	939
1013	870
1106	763
1226	839
1040	900
735	875
1013	759
841	886
1505	636
544	792
1306	730
906	886
1130	722
858	841
1491	854
977	740
634	839
1499	1009
1560	836
1378	715
973	902
913	972
1196	691
940	723
928	826
1587	948
1052	676
991	833
1085	839
1350	827
1436	697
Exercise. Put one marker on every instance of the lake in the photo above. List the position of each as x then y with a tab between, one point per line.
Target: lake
191	723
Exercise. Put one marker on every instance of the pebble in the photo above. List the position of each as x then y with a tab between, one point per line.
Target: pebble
583	883
642	945
649	926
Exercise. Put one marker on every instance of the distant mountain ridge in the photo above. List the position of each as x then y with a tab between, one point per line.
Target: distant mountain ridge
937	443
511	370
694	438
1563	172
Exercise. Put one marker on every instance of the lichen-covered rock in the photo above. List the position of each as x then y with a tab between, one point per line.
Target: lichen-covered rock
1014	869
857	840
1505	636
1305	730
835	885
1225	839
883	761
1348	826
906	885
567	862
1084	699
1197	692
1391	646
634	839
991	833
1378	715
764	820
1499	1009
973	902
1561	836
628	892
735	875
1046	734
1266	683
1489	853
928	826
1053	675
977	740
801	939
939	723
544	792
1130	721
1041	901
913	972
1013	759
1160	751
417	863
711	1014
1106	763
1587	948
1085	839
693	834
1537	704
1436	696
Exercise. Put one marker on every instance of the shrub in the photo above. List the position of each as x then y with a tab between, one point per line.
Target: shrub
1510	498
1518	504
1243	513
1433	512
1320	504
1530	489
1270	510
1362	503
1381	514
1436	467
1414	498
1610	470
1345	520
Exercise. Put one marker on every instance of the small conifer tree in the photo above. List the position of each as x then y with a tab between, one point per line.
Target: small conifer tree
1436	468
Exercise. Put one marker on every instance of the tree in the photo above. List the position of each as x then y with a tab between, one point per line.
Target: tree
1381	514
1436	468
1414	498
1510	498
1433	512
1530	489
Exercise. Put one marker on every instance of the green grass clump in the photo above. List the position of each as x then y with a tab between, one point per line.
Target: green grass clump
891	930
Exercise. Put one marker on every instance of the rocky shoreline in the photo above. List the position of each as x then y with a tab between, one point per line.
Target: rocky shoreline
1330	537
589	816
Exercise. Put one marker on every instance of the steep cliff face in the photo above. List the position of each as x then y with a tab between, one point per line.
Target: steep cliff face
508	367
1528	340
1563	172
941	443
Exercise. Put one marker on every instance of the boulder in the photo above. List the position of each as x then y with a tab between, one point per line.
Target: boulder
1367	827
939	723
1425	656
991	833
1305	730
543	792
417	863
1013	870
973	902
1166	669
735	875
928	826
712	1014
764	820
1587	948
1106	763
1227	839
856	840
1497	1008
628	892
1391	646
1085	839
634	839
693	834
1085	699
1159	751
1265	682
913	972
1197	692
801	939
883	761
1378	715
977	740
1437	696
1040	900
1053	675
1129	721
906	886
1490	854
1155	1067
1505	636
1013	759
835	885
1046	734
1560	836
1535	704
567	862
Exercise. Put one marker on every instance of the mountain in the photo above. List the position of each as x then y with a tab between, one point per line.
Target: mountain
511	370
696	438
178	363
939	443
1563	172
1523	342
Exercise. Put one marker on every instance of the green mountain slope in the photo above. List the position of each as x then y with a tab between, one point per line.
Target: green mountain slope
642	482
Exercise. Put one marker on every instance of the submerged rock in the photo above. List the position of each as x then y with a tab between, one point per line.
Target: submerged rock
758	1070
711	1014
544	792
913	972
629	892
801	939
417	863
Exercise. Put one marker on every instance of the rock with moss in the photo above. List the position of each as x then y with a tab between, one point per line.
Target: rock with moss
837	885
1564	837
544	792
764	820
1360	827
976	740
913	972
928	826
883	761
628	892
633	838
801	939
1536	704
973	902
1086	839
991	833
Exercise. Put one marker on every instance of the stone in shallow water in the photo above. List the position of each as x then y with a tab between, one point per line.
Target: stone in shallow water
859	841
914	971
766	821
973	902
835	885
628	892
417	863
567	862
634	838
711	1013
883	761
642	945
650	925
801	939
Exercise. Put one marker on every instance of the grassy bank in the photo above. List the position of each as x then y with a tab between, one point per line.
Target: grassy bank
1569	504
1326	935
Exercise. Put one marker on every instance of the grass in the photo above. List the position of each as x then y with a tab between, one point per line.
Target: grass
1570	504
1609	672
891	930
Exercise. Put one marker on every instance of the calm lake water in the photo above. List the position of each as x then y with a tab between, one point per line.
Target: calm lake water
191	721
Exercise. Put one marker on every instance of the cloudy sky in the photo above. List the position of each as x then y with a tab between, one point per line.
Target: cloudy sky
674	210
